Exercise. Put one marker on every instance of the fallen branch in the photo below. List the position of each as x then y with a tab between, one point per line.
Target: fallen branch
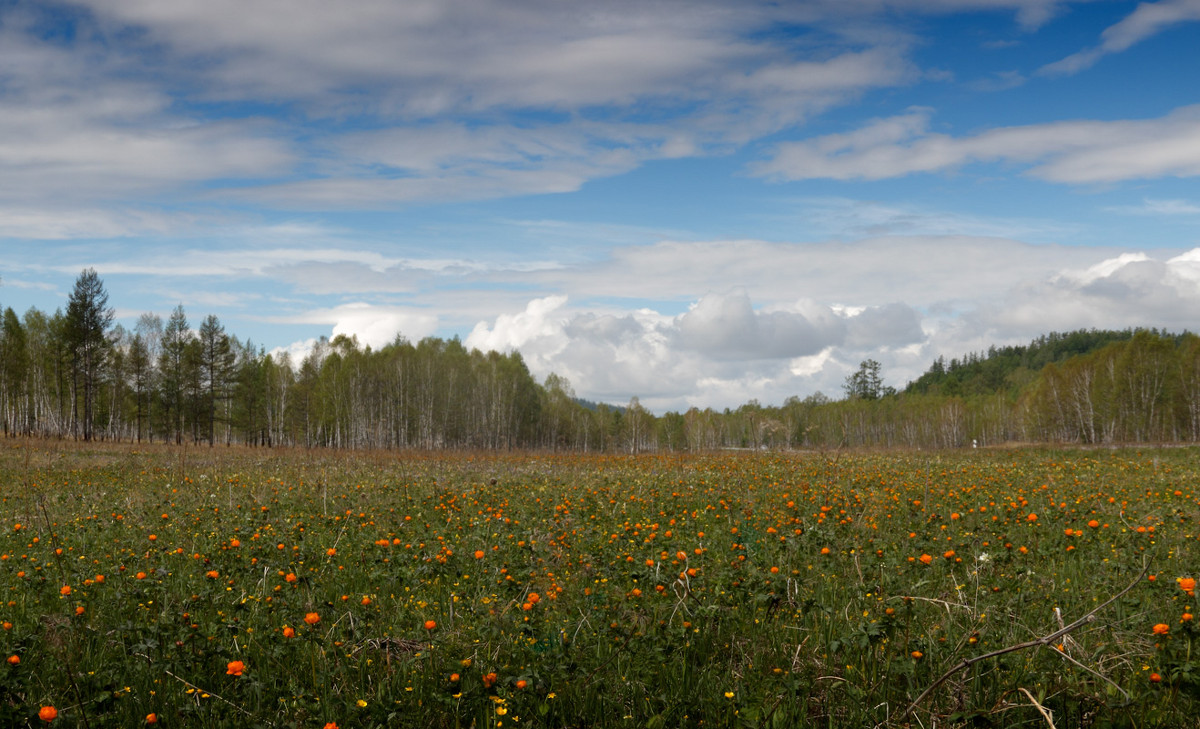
1037	642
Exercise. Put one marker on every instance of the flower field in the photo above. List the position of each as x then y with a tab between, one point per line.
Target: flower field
258	588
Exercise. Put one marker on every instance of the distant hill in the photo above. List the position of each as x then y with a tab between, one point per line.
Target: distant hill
1008	369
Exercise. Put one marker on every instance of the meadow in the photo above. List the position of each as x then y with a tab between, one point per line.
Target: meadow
232	587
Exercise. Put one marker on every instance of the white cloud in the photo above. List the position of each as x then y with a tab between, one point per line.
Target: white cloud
511	331
1147	20
374	325
468	99
721	352
1075	152
727	327
1126	290
728	347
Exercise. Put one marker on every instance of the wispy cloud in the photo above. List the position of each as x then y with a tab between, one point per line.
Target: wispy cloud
1073	152
1147	20
1159	208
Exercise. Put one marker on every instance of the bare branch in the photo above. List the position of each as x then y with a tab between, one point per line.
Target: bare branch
1043	641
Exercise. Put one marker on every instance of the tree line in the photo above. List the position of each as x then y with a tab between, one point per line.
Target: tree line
73	374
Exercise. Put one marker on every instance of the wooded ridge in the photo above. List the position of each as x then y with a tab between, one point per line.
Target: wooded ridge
75	375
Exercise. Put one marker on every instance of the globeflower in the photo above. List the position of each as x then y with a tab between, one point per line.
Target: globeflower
926	559
235	668
312	618
47	713
1161	629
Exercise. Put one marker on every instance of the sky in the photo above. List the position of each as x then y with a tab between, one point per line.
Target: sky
694	202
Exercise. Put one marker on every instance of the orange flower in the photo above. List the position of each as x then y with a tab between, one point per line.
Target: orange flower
925	559
47	713
289	631
235	543
312	618
478	554
1155	678
14	660
140	575
918	655
291	577
235	668
1187	584
366	600
66	590
489	679
824	550
1031	518
1093	523
151	718
331	725
522	684
430	625
1161	629
212	574
330	552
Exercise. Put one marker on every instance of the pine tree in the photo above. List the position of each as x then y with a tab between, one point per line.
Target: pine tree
88	320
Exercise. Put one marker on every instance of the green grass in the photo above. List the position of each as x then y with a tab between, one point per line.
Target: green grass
807	605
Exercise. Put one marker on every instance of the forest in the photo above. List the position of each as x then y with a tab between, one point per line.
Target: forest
73	374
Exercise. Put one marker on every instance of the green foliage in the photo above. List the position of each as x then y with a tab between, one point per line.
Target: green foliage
748	590
1008	369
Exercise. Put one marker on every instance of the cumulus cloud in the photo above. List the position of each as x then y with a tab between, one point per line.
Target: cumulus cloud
1132	289
728	327
721	349
374	325
1074	152
1147	20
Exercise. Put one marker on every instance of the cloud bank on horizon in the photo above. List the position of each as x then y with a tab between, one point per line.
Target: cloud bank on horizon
695	202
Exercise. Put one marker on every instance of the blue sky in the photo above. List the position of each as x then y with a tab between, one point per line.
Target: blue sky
697	203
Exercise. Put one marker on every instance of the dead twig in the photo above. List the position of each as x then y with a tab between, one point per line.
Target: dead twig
1043	641
1046	713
